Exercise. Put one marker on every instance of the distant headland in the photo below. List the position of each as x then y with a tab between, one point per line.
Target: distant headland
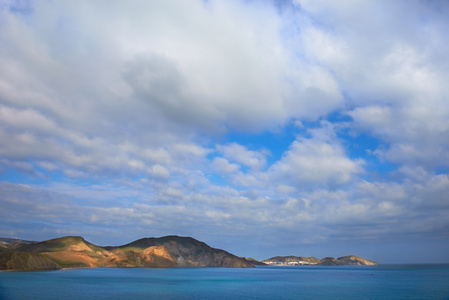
350	260
164	252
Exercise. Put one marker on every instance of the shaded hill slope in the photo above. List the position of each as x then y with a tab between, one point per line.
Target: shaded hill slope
188	252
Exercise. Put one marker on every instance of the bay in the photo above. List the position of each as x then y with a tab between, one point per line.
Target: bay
295	282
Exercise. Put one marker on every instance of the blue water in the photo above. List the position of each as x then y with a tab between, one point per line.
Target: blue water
298	282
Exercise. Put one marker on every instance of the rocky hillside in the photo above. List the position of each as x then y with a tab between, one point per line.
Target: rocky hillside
350	260
8	243
169	251
185	252
25	261
73	252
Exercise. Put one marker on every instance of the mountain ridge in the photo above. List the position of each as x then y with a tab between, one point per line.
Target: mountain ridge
150	252
75	252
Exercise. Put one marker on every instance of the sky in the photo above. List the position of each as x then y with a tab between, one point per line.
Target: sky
264	128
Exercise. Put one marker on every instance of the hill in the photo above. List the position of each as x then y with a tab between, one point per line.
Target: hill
186	252
74	251
350	260
164	252
9	243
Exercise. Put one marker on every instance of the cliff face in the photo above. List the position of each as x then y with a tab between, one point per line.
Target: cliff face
170	251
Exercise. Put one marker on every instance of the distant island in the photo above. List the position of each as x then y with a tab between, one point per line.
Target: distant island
164	252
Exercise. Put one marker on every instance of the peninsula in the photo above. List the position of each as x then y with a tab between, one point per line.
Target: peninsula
350	260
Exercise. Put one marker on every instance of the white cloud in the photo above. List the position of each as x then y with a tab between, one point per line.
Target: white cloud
253	159
138	97
92	87
26	119
222	165
375	210
316	161
391	61
159	171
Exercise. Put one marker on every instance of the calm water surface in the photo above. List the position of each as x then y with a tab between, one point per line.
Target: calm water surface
306	282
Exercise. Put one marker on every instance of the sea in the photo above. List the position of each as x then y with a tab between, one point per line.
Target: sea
423	281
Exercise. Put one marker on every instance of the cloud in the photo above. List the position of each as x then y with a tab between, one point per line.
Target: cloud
253	159
228	118
391	66
222	165
315	161
415	133
370	211
146	83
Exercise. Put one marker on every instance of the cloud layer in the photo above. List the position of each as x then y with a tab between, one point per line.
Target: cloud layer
120	121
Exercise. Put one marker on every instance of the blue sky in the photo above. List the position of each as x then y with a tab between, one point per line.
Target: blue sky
260	127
